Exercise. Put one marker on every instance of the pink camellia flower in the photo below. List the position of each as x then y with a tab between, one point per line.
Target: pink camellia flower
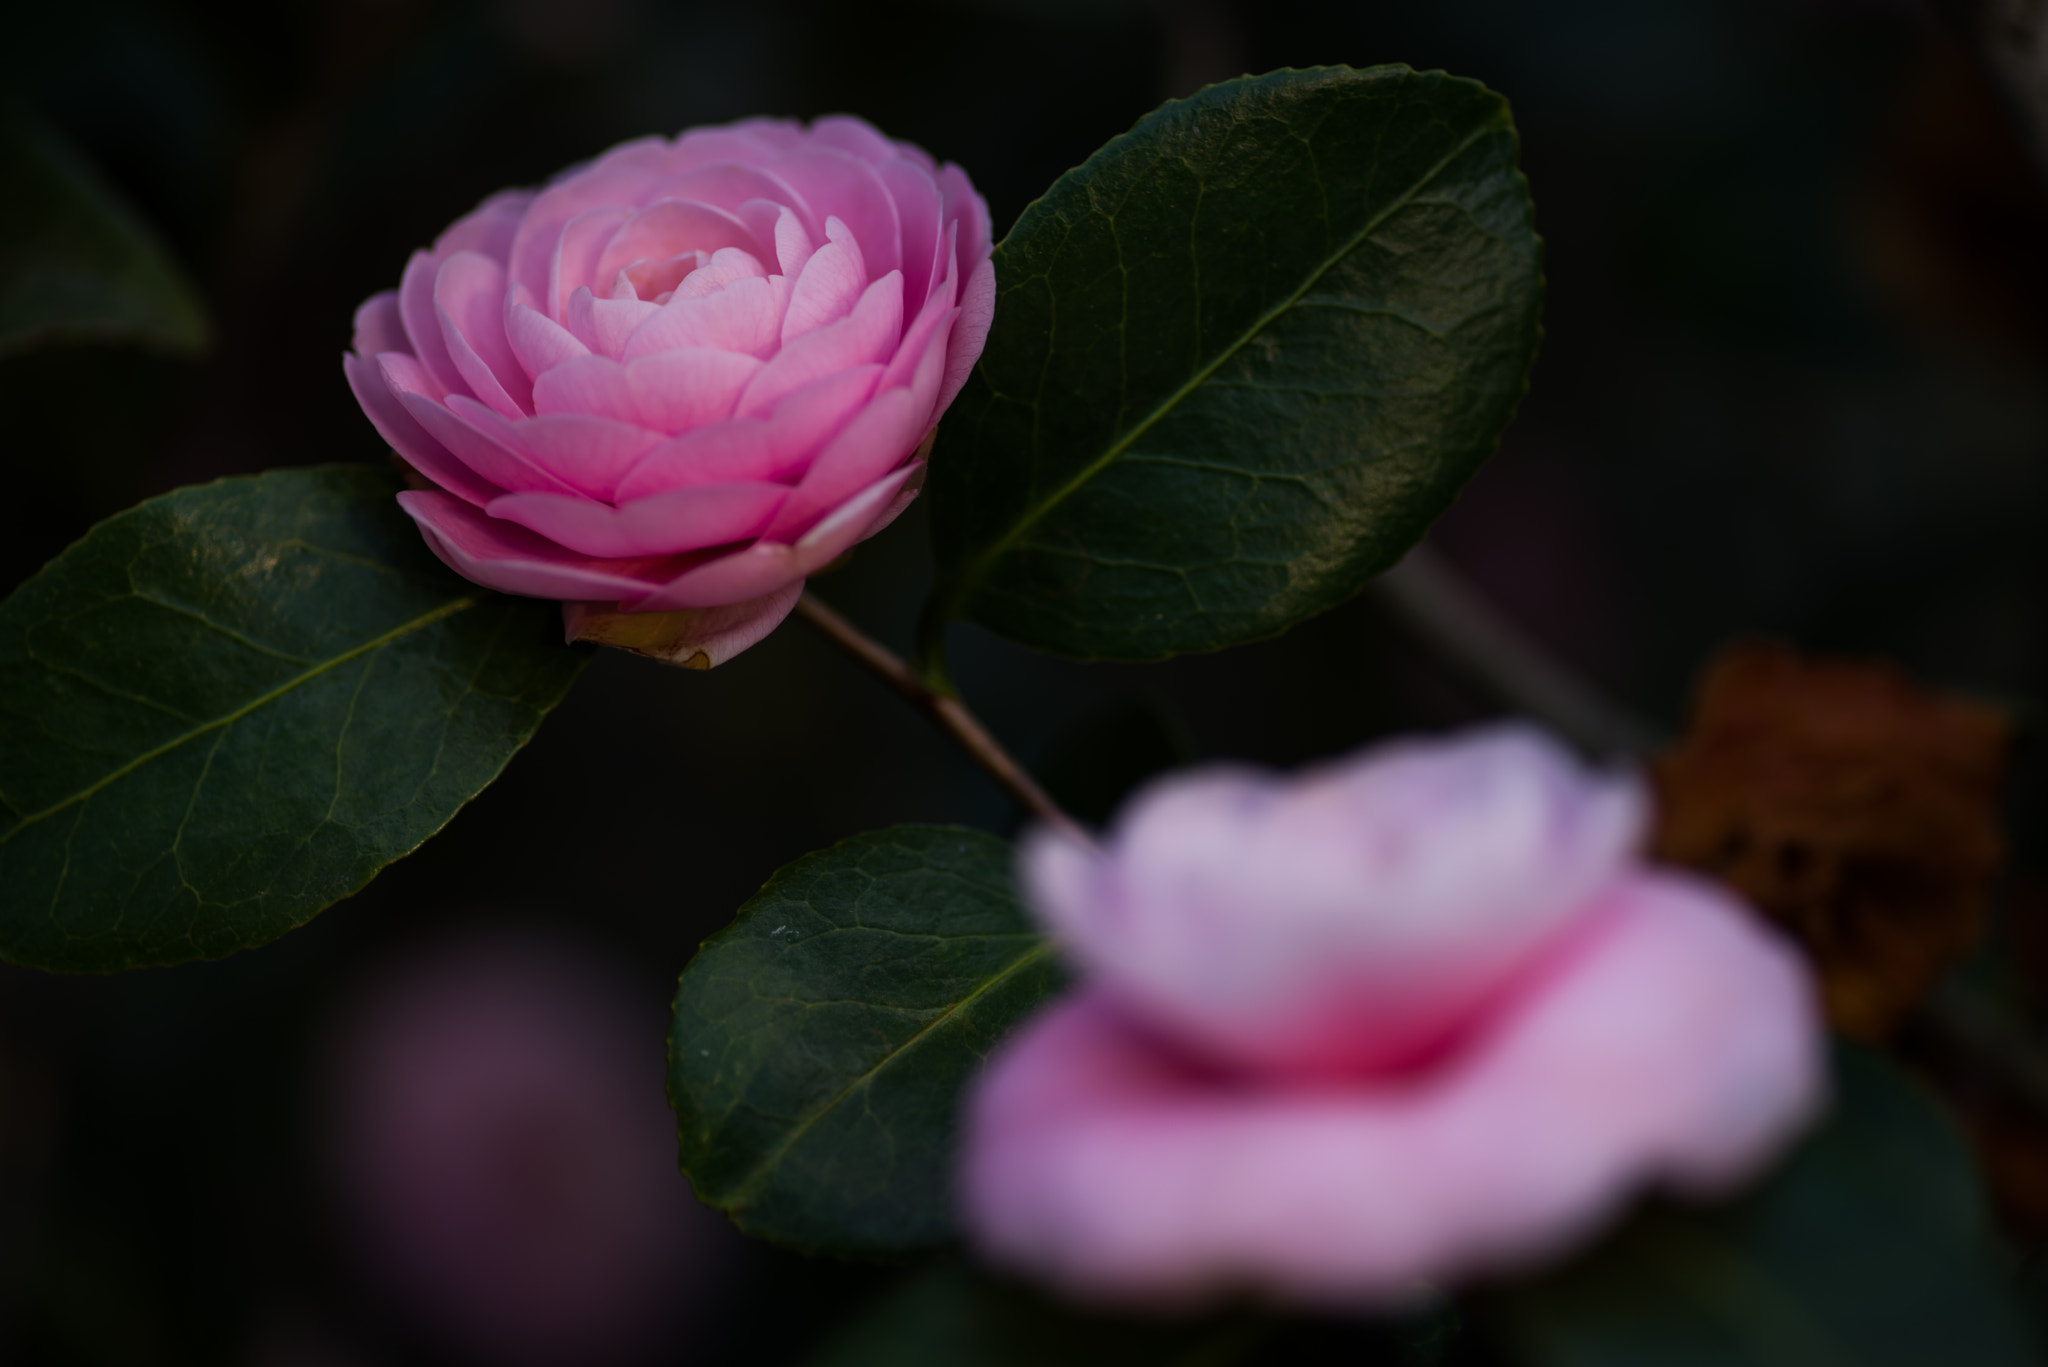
680	378
1417	1015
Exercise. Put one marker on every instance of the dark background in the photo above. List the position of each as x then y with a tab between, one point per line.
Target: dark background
1795	381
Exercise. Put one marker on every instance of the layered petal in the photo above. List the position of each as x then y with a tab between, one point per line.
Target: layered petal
698	638
767	566
506	557
1677	1047
1351	918
661	524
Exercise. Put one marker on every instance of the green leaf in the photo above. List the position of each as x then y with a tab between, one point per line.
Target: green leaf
1870	1248
822	1039
229	707
77	264
1241	359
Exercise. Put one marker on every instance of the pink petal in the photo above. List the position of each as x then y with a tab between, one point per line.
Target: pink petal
510	559
793	242
585	384
780	447
652	279
850	134
674	391
725	266
970	211
765	566
727	185
745	316
472	433
661	524
834	182
605	325
469	297
1679	1048
487	229
539	341
423	326
919	207
698	638
651	154
587	454
830	285
970	334
750	144
403	433
573	262
620	188
931	329
378	328
667	227
881	437
866	336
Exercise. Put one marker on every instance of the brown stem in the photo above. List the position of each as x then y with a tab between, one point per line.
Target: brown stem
949	714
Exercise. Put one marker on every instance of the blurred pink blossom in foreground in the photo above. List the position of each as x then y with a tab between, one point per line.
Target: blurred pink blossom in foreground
680	378
1419	1014
507	1162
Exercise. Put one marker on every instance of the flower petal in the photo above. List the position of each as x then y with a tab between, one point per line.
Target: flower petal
573	262
586	453
404	434
661	524
668	227
472	433
487	229
866	336
696	638
919	208
508	558
378	328
745	316
423	327
835	182
728	185
780	447
469	298
766	566
855	135
1679	1048
605	325
539	341
619	189
970	334
830	284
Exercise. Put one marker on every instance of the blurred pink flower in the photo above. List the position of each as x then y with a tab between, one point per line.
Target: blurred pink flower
1420	1014
507	1164
680	378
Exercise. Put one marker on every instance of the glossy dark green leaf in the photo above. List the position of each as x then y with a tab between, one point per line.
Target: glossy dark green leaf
77	264
229	707
822	1039
1870	1248
1241	359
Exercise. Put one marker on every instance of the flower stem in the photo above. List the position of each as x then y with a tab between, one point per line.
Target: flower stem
1430	596
949	714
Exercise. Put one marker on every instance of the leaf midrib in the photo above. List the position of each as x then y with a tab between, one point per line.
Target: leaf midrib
1002	545
747	1185
404	629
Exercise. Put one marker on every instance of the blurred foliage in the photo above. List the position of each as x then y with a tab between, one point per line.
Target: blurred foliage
76	264
1871	1246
